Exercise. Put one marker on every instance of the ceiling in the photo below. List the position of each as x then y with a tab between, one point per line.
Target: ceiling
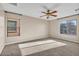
34	9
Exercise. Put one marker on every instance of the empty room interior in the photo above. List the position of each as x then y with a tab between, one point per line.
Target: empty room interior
39	29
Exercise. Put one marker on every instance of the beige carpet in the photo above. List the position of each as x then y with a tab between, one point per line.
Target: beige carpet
34	47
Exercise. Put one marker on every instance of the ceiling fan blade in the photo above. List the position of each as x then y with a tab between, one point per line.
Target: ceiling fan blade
54	15
43	16
54	12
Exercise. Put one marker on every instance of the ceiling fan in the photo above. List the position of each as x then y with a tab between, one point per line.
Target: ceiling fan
49	13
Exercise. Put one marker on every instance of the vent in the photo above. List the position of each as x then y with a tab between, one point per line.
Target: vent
14	4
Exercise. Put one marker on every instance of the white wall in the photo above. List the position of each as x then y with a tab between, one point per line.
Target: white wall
30	29
64	9
2	30
55	30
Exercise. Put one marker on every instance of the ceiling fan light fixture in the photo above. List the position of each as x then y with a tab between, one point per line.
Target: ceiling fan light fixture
48	13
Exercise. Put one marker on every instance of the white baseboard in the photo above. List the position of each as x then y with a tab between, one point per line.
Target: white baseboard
65	40
23	40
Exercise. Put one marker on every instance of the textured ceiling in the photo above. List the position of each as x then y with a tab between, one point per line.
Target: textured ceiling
34	9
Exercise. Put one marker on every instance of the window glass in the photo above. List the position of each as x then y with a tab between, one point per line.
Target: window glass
68	27
11	26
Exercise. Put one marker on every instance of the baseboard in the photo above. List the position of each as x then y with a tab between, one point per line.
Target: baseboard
24	41
64	40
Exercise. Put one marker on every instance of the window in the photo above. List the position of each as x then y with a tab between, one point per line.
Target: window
13	27
63	27
68	27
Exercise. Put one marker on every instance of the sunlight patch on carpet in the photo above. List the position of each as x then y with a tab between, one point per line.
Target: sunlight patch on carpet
38	46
